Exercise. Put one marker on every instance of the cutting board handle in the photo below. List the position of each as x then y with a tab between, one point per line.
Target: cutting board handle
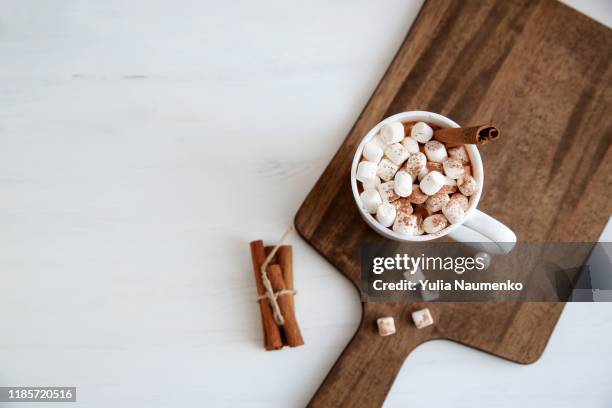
365	371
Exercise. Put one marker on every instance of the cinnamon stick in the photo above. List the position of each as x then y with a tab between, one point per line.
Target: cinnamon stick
469	135
271	332
290	328
285	260
270	248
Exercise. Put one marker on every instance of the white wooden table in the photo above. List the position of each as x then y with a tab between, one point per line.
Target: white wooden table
144	144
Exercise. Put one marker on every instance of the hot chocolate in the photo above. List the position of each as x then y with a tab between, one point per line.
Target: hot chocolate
412	183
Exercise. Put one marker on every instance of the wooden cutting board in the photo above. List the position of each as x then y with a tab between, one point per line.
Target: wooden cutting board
540	71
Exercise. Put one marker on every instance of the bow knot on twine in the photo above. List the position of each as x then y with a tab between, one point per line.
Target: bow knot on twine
270	294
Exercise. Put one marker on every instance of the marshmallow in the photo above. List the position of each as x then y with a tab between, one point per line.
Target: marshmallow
378	140
461	199
403	183
417	196
371	185
432	182
467	185
386	169
386	326
387	191
406	224
372	151
411	145
403	206
421	132
415	163
435	151
449	187
431	166
386	214
422	318
366	171
453	168
435	223
453	211
396	153
422	173
436	202
392	132
459	153
421	213
370	199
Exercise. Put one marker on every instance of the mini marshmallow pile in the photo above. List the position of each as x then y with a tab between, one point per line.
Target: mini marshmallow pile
402	166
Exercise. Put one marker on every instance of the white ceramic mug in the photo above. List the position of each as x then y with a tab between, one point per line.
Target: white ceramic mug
476	227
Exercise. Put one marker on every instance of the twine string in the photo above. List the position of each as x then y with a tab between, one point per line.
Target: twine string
279	293
270	294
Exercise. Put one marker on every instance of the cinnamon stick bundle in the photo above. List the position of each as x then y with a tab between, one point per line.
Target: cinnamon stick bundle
469	135
280	275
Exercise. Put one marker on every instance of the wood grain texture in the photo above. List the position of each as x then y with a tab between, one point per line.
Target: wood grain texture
541	72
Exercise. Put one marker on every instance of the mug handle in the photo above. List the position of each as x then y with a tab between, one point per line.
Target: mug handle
485	233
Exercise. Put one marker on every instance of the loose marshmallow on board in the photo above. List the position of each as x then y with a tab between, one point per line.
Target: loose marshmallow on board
372	151
435	223
386	169
403	183
386	326
453	211
386	214
366	171
415	164
436	202
411	145
432	182
371	200
453	168
421	132
435	151
406	224
392	132
422	318
387	191
397	153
